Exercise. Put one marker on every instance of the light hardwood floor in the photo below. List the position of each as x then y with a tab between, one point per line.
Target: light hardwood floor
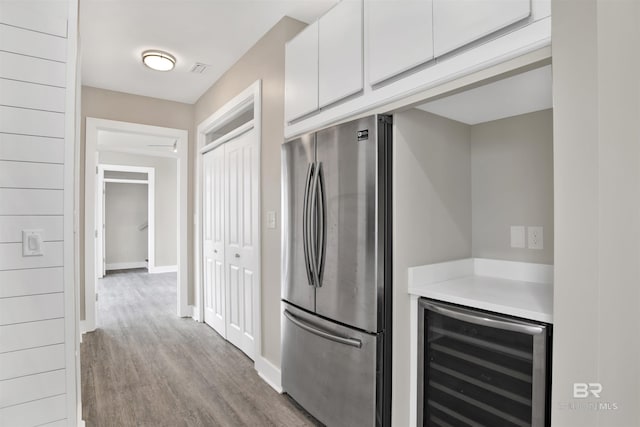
146	367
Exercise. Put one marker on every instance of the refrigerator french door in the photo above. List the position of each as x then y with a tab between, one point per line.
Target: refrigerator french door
336	272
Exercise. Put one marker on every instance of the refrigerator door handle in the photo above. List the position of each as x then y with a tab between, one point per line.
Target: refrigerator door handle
321	333
305	224
322	224
313	227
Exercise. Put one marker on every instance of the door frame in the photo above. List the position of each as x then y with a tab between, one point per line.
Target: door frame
249	98
151	211
92	148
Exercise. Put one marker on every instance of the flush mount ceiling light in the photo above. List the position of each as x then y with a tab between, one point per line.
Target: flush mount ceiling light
158	60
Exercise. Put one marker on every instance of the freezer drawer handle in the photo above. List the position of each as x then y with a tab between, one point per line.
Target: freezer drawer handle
319	332
484	320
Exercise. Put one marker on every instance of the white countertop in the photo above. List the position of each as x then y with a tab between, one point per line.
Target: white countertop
518	289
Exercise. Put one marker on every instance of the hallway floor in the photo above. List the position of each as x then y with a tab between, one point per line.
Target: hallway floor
144	366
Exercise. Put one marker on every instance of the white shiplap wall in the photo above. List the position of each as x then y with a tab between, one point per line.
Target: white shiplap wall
37	312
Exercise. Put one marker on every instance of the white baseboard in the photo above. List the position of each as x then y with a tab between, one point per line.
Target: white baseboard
125	265
81	423
186	311
163	269
196	314
269	373
83	327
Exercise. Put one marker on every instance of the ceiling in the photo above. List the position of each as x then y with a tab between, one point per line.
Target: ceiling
519	94
114	33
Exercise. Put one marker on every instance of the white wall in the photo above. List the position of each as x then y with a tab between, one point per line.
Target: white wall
166	205
512	184
431	218
38	338
596	99
126	209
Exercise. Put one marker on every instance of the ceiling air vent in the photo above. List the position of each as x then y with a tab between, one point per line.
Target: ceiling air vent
198	68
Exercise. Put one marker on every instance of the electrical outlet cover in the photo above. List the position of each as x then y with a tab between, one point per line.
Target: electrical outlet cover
271	219
535	237
517	236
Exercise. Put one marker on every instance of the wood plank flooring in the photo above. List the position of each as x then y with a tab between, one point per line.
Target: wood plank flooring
146	367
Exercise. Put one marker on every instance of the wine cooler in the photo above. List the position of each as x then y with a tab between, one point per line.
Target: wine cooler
481	369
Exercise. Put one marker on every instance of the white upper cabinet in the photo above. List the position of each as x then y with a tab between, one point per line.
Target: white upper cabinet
301	74
400	36
340	52
459	22
364	54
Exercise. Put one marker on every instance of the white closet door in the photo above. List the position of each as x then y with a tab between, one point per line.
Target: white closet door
241	249
213	236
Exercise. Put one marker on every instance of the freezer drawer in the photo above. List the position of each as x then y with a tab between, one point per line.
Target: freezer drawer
329	369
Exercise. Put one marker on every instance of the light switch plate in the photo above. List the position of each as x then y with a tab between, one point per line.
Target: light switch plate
271	219
32	243
517	236
535	237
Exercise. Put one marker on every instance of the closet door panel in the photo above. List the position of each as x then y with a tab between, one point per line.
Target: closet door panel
213	240
242	251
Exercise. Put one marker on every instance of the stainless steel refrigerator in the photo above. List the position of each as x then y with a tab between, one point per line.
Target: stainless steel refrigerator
336	272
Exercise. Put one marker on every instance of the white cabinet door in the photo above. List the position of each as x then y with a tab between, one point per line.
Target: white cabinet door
301	74
241	250
340	52
459	22
400	36
213	240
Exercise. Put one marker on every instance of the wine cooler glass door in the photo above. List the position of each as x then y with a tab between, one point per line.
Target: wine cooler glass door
480	369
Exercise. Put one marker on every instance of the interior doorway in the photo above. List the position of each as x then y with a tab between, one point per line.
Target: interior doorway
125	218
110	140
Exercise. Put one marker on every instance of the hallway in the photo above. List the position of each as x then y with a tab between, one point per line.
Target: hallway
143	366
